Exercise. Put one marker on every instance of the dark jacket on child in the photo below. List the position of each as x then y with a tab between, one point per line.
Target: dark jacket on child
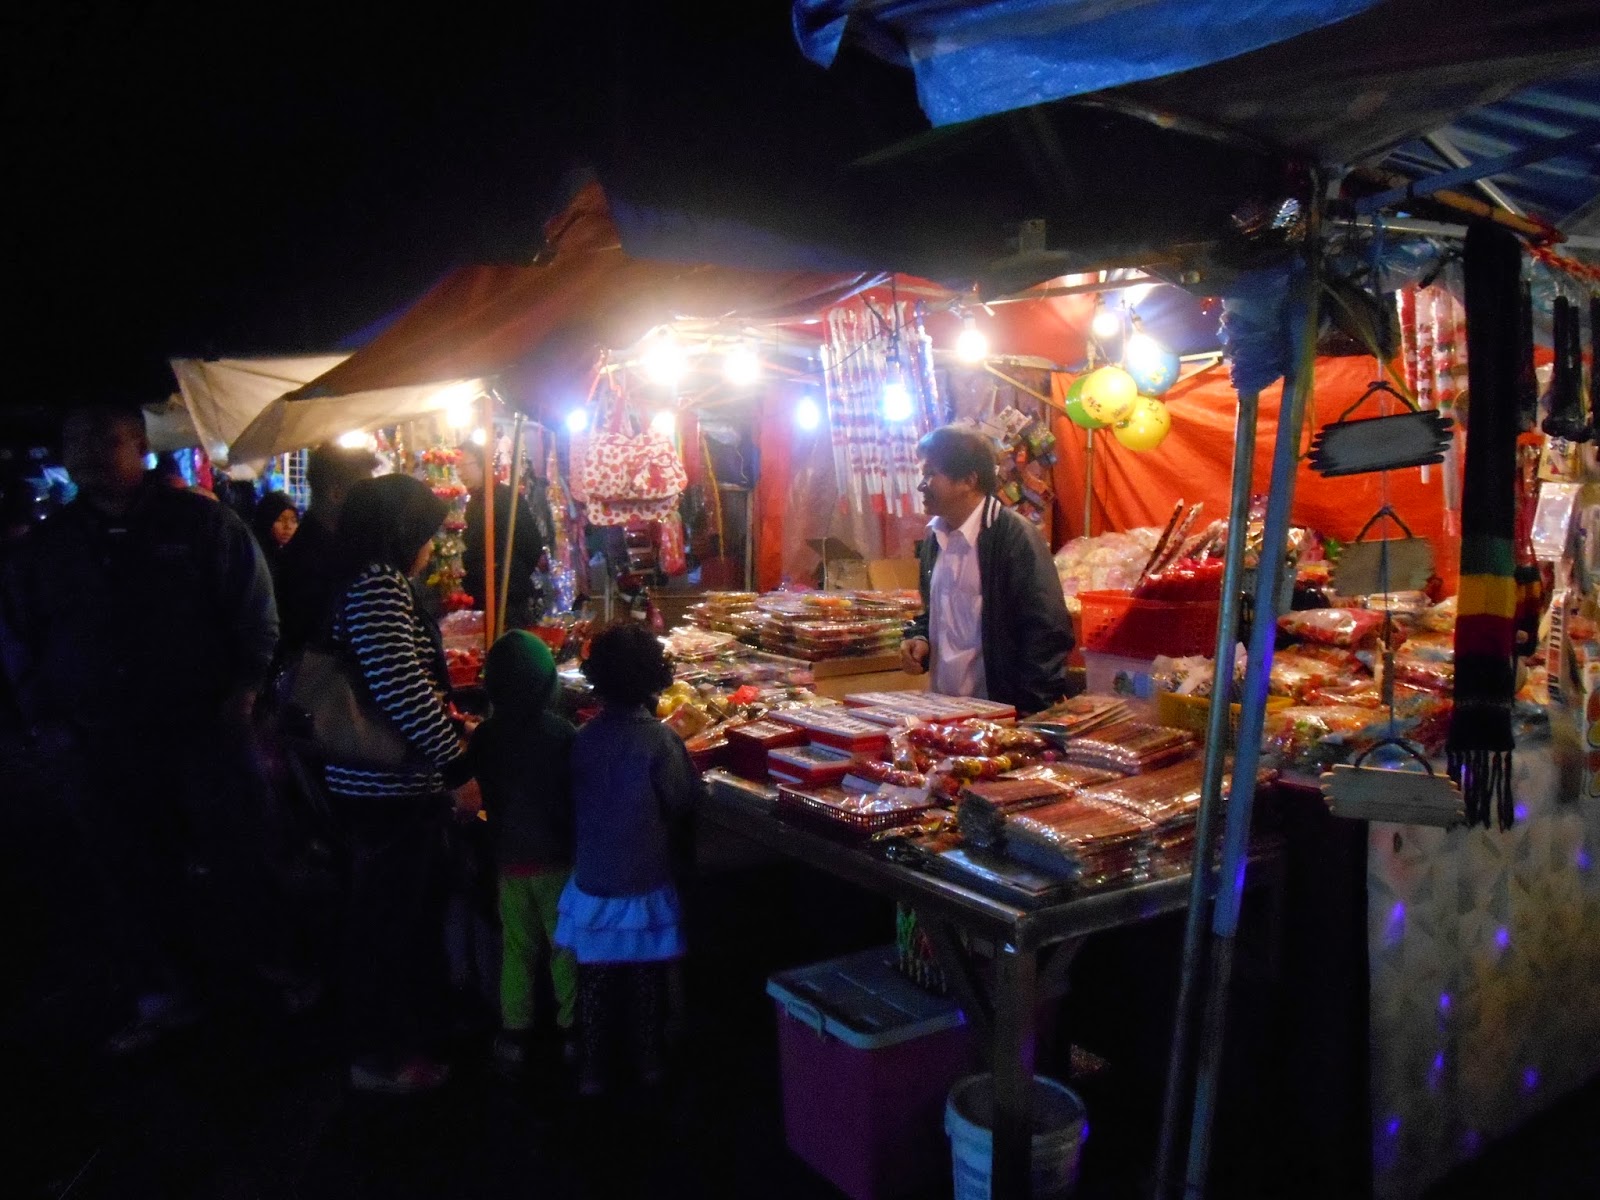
635	790
521	757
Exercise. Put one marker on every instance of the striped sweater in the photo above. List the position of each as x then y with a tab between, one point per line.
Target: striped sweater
378	623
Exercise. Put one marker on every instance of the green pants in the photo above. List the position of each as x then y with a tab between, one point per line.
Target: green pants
527	932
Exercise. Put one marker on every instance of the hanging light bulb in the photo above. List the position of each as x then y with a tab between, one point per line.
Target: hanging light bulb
972	344
663	359
1142	352
1107	322
664	422
459	404
896	398
741	366
807	414
480	436
355	439
577	420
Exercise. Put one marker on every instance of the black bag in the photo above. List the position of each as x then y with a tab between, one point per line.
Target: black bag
325	703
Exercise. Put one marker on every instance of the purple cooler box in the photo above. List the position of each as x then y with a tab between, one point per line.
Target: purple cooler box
868	1059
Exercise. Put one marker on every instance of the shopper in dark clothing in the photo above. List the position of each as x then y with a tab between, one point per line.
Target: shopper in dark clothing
396	978
145	624
308	572
520	757
274	524
526	542
995	624
634	792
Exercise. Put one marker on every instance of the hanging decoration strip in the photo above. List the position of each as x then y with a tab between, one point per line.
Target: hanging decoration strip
1433	347
875	459
1480	742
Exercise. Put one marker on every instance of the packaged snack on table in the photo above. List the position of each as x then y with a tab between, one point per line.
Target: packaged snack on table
1090	842
871	773
1441	618
836	727
1426	674
984	804
1430	647
857	814
1129	747
808	766
1351	628
748	746
976	738
1294	675
1298	738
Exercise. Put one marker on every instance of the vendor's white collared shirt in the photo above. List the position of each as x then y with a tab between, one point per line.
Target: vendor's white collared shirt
955	609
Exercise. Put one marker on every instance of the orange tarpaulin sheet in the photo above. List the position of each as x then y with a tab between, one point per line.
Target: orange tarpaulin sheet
1196	463
550	320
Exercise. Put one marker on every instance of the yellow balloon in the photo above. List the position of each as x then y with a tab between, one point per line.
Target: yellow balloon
1146	427
1108	394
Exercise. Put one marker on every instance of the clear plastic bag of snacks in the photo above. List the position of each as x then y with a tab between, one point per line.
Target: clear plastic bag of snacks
1350	628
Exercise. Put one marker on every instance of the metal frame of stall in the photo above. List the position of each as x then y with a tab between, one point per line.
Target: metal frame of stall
1032	948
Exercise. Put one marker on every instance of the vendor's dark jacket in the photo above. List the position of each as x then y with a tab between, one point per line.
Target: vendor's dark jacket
144	621
1027	633
527	546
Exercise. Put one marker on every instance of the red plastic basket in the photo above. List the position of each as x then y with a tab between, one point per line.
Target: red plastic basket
1116	623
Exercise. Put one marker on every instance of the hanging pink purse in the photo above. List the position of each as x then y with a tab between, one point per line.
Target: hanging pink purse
628	476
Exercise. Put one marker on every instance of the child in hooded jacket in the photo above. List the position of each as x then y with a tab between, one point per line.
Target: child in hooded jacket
522	756
634	790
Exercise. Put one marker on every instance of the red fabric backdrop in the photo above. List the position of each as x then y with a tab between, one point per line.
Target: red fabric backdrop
1196	463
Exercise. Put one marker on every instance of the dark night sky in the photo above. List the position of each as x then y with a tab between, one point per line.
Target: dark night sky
206	178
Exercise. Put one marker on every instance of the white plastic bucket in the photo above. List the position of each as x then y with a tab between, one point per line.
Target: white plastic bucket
1060	1124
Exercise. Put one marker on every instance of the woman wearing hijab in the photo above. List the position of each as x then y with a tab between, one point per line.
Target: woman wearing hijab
274	522
397	976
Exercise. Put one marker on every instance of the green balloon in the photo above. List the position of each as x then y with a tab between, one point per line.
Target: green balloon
1074	406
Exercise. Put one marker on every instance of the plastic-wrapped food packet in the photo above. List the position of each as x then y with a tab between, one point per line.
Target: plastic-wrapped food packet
1347	627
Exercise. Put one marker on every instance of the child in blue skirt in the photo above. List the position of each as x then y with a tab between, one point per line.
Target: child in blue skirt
634	791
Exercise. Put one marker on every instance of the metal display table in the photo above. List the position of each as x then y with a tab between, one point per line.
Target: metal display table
1033	947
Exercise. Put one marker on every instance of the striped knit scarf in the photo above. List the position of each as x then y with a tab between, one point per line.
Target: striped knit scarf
1480	743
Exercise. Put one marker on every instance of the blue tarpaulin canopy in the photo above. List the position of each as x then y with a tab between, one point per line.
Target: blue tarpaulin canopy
975	60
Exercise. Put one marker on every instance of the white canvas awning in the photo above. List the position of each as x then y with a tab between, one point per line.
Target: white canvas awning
234	407
286	425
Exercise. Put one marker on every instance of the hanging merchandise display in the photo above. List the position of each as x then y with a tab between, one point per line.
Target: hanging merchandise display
1108	394
629	476
1407	439
446	572
563	514
1145	427
1480	741
1073	400
877	410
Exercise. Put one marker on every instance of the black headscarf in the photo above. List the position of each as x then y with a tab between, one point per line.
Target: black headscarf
387	520
267	511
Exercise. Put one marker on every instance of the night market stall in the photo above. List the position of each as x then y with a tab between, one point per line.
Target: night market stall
492	321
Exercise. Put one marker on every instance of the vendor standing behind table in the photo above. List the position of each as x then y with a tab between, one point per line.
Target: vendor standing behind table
995	625
527	544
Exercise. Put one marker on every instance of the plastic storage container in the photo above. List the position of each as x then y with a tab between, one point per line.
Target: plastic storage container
1116	623
867	1060
1060	1126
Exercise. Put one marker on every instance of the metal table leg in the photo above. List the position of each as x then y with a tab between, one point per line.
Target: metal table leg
1015	997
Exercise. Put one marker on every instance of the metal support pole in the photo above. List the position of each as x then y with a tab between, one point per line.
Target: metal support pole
511	522
1202	875
488	520
1088	482
1247	754
1016	974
